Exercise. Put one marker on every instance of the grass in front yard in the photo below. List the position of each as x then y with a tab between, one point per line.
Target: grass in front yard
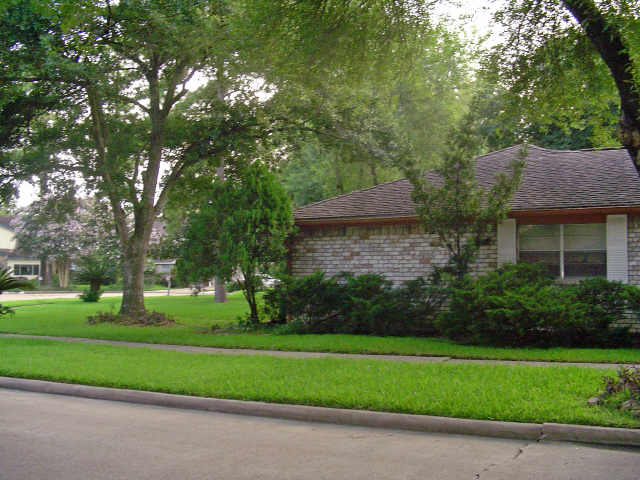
197	314
510	393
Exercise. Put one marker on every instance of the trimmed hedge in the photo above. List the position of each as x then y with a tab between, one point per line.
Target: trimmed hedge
365	304
521	305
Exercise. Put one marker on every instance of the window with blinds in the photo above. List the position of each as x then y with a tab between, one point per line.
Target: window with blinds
569	251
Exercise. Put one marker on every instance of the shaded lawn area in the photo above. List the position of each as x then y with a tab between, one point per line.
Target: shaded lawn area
498	392
64	317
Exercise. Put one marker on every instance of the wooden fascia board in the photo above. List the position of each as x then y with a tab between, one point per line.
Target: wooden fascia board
559	215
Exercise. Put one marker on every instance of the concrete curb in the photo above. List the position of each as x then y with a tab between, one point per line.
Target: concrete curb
364	418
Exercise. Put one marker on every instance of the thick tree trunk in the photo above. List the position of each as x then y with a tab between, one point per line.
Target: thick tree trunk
133	280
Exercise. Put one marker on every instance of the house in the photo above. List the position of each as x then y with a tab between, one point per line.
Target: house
578	212
21	265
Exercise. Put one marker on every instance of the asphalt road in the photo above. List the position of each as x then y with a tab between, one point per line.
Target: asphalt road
53	437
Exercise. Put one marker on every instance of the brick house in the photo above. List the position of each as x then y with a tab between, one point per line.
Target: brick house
578	212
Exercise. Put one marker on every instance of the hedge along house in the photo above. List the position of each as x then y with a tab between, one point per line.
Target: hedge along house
578	212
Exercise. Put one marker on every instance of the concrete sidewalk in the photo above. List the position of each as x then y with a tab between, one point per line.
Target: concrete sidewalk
293	354
10	297
51	437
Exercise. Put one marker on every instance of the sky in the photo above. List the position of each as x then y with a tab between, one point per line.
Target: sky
472	16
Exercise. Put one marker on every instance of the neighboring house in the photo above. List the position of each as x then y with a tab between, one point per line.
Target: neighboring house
578	212
21	265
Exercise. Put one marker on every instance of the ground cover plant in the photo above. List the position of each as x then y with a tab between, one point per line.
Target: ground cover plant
197	315
492	392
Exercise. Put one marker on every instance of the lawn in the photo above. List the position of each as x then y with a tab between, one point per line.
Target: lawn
197	314
497	392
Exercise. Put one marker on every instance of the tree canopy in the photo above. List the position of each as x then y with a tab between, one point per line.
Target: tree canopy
142	91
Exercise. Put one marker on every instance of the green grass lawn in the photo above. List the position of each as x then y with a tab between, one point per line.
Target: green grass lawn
510	393
197	314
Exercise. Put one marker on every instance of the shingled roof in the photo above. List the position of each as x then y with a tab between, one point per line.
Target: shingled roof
552	179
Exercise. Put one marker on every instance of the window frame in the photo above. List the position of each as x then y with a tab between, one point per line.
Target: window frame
562	248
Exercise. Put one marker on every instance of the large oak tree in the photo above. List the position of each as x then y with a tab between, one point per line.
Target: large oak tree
565	58
140	92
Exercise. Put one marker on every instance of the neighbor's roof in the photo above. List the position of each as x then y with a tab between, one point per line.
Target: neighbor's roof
552	179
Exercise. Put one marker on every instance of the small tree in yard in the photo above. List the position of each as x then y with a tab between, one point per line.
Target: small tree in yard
453	206
242	225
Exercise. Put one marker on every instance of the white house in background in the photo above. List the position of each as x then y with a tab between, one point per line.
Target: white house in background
21	265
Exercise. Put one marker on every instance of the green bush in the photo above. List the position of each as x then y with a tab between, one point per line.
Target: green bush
520	305
90	295
365	304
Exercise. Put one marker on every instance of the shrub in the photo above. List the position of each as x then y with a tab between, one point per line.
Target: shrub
519	305
90	295
622	392
365	304
313	300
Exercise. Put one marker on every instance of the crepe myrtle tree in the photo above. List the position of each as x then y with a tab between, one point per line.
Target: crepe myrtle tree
64	229
452	205
241	226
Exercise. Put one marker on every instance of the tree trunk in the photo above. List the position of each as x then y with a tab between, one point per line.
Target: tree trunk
45	273
607	37
94	286
62	268
133	280
218	283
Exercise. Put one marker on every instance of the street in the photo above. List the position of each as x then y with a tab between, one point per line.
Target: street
50	437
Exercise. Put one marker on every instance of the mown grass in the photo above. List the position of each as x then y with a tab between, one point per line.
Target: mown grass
66	317
509	393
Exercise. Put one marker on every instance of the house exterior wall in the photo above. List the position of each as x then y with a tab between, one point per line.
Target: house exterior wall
633	249
399	252
7	240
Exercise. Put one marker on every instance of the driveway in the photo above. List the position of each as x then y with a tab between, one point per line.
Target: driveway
53	437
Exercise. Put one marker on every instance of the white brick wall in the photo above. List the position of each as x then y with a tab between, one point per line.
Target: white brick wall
399	252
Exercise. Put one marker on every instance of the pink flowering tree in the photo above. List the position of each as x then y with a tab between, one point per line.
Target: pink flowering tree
63	230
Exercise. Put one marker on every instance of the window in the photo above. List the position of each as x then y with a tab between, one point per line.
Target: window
569	251
24	270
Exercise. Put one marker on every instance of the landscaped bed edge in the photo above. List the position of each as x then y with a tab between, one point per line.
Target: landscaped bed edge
365	418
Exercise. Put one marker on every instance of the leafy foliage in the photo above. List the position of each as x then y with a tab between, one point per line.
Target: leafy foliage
90	295
518	305
8	282
242	225
123	103
452	205
96	270
572	63
364	304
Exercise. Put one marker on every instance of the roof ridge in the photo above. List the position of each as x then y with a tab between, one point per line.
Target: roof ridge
593	149
350	193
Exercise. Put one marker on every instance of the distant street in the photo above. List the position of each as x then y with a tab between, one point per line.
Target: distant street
53	437
9	297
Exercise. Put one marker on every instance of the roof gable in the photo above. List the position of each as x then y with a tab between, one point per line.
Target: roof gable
552	179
